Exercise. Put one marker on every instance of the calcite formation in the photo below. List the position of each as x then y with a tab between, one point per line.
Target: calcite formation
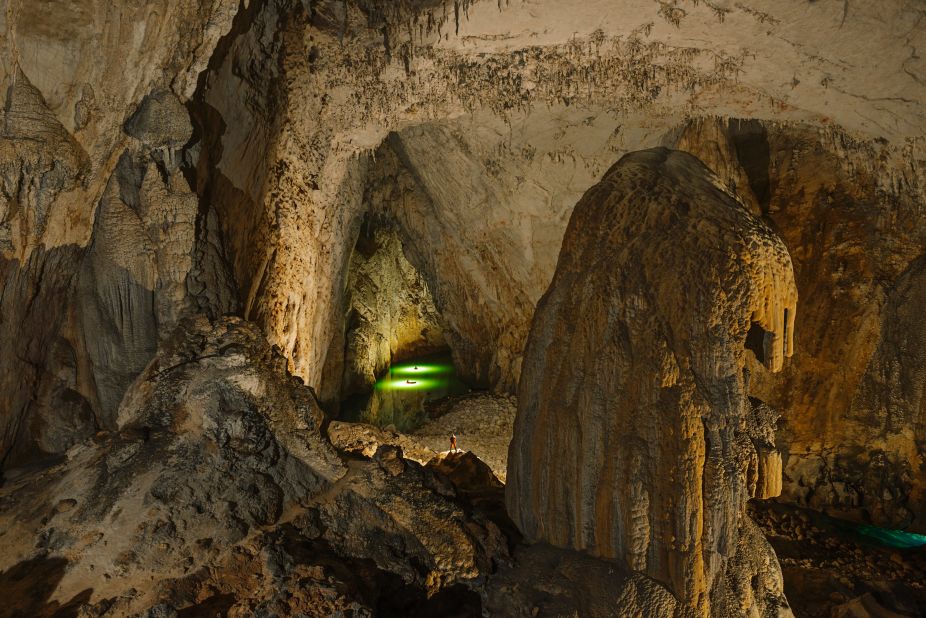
98	223
629	441
852	430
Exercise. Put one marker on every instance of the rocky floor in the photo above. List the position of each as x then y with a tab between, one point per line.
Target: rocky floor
482	422
830	571
218	494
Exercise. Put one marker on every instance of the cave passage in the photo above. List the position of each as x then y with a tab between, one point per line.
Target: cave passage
401	392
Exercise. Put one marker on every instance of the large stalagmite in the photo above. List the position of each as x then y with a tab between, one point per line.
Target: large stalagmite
630	440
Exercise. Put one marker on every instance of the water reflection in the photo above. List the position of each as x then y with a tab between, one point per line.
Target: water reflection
400	394
891	538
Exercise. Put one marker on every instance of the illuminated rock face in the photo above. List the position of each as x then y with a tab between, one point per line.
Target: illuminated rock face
631	439
286	100
853	398
296	95
389	316
485	242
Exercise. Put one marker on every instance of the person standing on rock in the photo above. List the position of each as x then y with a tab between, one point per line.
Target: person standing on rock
453	443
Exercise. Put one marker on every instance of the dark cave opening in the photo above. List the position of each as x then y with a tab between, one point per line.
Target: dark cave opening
757	340
393	354
750	140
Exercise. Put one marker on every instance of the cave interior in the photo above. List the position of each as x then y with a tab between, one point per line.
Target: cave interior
463	308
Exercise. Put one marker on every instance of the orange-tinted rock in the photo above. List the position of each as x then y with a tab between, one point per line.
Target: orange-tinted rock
630	440
853	398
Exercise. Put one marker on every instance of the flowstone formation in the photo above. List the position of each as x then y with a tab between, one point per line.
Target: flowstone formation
632	437
97	223
852	402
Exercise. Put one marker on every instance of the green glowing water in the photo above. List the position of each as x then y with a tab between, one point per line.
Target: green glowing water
432	375
886	537
400	395
892	538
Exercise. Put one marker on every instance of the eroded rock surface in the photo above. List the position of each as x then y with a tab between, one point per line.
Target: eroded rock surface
630	437
525	105
364	439
211	443
288	115
482	422
217	490
851	399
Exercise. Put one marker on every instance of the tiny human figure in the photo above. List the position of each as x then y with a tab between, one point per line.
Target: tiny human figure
453	443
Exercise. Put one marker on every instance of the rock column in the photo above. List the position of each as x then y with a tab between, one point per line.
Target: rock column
632	434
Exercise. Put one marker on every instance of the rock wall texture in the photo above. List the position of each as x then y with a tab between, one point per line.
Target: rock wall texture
211	442
96	220
630	440
852	398
268	110
389	316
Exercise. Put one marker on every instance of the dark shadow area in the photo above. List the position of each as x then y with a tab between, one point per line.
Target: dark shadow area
28	586
387	592
755	342
750	140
